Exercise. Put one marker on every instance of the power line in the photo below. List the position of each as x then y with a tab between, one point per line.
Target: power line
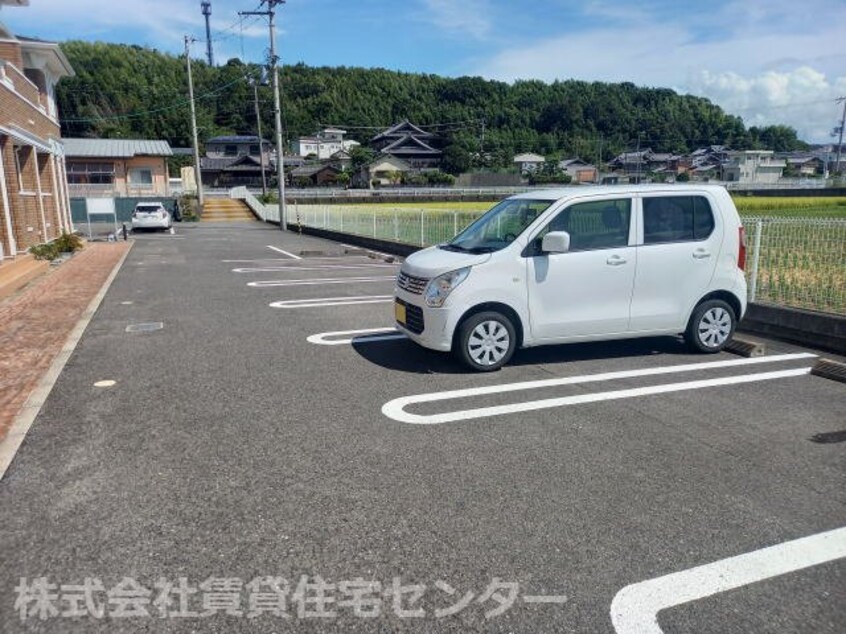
142	113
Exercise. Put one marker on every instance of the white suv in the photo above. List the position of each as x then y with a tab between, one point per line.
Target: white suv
152	215
580	264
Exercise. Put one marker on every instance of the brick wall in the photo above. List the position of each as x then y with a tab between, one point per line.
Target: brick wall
10	51
16	112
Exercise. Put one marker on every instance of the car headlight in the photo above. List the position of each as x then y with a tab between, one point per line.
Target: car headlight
440	287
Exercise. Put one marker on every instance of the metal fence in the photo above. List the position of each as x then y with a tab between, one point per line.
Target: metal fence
798	262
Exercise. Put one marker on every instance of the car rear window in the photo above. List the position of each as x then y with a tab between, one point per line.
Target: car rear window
147	208
676	219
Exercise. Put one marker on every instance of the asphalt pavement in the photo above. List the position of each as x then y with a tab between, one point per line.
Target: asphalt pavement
238	477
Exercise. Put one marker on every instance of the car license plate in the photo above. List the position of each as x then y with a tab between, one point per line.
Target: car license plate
399	312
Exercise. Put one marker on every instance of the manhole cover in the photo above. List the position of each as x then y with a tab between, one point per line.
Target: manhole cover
147	327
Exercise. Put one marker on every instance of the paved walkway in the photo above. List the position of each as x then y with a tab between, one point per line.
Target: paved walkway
35	323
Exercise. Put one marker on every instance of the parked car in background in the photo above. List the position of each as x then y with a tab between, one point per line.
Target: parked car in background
151	215
559	266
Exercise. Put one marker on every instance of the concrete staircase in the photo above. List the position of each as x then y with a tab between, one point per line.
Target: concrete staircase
226	210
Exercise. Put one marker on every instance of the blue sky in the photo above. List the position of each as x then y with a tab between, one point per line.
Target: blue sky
768	61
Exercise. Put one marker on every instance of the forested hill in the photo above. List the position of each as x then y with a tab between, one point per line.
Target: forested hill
134	92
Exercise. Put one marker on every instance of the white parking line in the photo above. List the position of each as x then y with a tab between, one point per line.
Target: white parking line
284	252
395	409
319	267
635	608
332	301
320	281
367	335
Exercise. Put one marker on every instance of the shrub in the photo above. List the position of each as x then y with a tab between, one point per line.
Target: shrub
69	242
46	251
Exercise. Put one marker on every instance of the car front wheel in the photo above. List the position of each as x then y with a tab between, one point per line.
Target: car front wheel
711	326
486	341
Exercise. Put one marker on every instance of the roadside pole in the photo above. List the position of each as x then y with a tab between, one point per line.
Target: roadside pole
277	105
261	140
197	174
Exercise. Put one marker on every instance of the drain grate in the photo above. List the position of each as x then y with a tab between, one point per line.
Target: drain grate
830	369
829	437
145	327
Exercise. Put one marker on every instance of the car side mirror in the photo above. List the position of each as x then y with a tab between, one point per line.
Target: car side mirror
556	242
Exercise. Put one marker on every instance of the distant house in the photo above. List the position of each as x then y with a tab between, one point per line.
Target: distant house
34	205
803	164
409	143
231	161
117	167
753	166
324	144
578	170
528	162
381	171
631	162
316	175
341	159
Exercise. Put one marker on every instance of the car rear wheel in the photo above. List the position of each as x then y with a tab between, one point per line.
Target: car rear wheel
486	341
711	326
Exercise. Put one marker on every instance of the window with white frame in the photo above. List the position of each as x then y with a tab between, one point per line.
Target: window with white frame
141	177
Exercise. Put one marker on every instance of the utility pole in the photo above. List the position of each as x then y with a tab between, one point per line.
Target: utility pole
598	157
277	105
255	84
840	140
206	8
197	175
637	154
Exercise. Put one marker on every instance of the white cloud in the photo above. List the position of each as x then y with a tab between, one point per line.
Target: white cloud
461	17
802	98
763	62
156	19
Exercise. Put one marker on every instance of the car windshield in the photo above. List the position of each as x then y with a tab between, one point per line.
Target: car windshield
147	208
499	227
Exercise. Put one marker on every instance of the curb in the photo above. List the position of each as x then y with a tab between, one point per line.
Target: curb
23	421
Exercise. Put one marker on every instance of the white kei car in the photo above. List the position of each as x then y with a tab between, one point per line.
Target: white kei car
152	215
580	264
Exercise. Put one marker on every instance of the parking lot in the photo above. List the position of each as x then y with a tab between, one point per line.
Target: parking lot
276	425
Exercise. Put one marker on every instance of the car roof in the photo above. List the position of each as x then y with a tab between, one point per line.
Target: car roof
149	202
563	193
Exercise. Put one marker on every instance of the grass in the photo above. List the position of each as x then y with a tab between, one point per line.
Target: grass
792	207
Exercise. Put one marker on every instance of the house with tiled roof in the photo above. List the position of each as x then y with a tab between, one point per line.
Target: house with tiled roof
235	160
411	144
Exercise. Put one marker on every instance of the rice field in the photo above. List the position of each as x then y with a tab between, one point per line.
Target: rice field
802	260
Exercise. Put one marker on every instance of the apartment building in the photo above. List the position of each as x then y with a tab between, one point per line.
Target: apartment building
34	203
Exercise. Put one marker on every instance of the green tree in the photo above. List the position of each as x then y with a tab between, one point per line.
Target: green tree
456	160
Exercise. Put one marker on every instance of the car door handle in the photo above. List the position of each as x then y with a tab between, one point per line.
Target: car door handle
701	254
615	260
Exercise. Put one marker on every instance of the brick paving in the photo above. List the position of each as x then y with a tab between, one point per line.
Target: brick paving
35	322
